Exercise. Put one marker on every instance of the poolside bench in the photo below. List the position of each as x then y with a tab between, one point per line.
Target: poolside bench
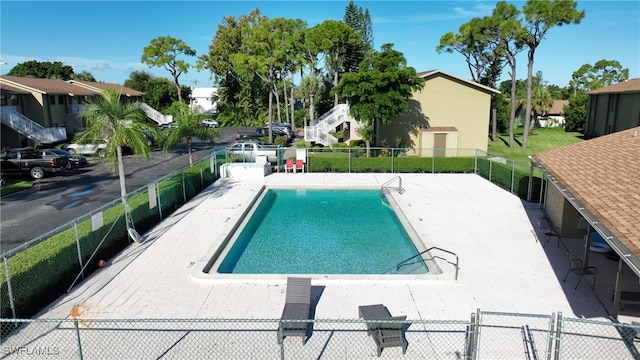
629	297
373	312
546	227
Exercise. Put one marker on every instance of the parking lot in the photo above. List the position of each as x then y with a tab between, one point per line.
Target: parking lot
56	200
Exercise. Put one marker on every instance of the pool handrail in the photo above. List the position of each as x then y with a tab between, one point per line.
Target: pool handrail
400	189
456	264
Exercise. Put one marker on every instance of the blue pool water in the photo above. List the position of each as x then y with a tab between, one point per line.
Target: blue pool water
311	231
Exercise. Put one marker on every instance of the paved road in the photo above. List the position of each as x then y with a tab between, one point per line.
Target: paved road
56	200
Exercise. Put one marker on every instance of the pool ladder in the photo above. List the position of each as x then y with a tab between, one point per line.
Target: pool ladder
399	188
408	261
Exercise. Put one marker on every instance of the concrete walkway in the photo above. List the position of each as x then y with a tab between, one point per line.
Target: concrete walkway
502	265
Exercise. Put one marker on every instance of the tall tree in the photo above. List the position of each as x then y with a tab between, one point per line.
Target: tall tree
337	38
159	92
379	92
360	21
602	73
119	124
266	48
472	43
481	42
163	51
241	94
540	17
506	29
83	76
42	70
188	126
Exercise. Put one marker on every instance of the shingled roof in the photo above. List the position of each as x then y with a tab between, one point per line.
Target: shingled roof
632	85
47	86
57	86
603	174
98	86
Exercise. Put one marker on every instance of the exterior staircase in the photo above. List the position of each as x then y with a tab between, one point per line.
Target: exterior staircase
31	129
319	132
156	115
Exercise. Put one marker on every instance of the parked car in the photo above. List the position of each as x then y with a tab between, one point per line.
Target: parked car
209	123
27	160
250	151
88	149
276	131
74	160
257	141
247	135
170	125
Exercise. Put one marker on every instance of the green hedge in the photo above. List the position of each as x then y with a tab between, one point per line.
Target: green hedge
42	273
342	163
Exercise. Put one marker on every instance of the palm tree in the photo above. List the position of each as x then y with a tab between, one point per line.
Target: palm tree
117	124
188	121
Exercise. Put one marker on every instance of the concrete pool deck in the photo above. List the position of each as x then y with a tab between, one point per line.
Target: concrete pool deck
502	266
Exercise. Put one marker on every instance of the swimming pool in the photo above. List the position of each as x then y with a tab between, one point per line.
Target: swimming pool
318	231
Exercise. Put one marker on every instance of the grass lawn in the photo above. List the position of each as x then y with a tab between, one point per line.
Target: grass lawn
12	187
539	140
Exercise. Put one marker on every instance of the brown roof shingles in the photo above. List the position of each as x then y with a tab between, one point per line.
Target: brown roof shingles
71	87
49	86
632	85
105	86
604	175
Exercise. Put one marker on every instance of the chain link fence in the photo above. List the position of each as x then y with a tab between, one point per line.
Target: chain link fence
510	175
487	335
39	271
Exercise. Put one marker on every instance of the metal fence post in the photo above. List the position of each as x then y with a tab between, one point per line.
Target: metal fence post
75	227
475	163
201	176
471	338
75	324
281	342
513	174
392	160
557	337
159	201
9	288
349	167
490	168
184	188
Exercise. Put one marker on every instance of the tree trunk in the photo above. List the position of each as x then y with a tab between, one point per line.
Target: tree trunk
286	99
123	186
512	114
527	120
312	98
292	104
189	144
270	113
175	81
335	80
275	92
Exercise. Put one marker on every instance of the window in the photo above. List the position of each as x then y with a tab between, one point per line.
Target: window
52	100
61	99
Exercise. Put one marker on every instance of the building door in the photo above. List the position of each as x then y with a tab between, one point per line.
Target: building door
439	145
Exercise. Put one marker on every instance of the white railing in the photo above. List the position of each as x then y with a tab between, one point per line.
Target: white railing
328	122
156	115
31	129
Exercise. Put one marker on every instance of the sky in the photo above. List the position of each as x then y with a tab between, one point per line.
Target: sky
107	38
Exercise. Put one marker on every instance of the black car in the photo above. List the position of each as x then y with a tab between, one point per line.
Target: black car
75	161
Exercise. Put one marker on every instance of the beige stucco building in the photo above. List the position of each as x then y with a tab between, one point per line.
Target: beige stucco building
448	117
